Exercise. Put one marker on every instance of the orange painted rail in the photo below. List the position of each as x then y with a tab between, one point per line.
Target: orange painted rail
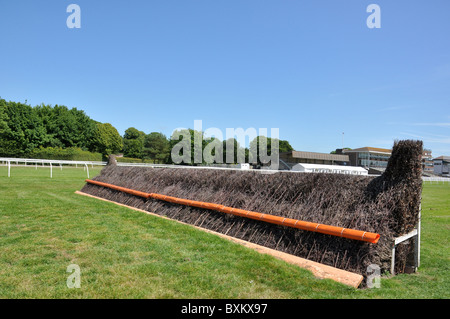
278	220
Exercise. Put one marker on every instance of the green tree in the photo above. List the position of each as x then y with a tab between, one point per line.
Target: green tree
339	151
66	127
133	143
186	147
24	128
156	147
261	148
133	148
23	131
285	146
106	139
232	152
47	115
212	150
3	118
5	143
133	133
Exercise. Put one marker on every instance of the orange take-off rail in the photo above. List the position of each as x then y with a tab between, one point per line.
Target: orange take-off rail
295	223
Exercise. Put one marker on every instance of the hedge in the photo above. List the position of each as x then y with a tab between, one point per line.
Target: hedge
69	154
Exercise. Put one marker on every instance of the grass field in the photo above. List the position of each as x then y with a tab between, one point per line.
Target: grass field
45	227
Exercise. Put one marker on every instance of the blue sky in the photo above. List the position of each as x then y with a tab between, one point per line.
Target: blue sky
312	69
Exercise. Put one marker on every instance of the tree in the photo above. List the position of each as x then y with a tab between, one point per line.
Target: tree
49	120
24	128
156	147
106	139
66	128
84	128
340	150
133	148
264	149
23	131
186	147
212	151
5	143
232	152
285	146
133	143
133	133
3	118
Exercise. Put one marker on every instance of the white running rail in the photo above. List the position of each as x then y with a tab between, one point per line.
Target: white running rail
8	161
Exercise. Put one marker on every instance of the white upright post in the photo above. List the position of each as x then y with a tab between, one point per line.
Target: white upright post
417	242
87	169
9	169
51	170
393	260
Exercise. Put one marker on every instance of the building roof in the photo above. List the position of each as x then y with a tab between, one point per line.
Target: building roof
369	149
443	158
320	156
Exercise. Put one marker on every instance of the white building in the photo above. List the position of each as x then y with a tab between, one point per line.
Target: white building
337	169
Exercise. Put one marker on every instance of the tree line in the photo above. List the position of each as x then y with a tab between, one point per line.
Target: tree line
57	131
24	129
160	149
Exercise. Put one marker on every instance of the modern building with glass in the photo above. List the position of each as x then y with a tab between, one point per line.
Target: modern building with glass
442	165
368	157
295	157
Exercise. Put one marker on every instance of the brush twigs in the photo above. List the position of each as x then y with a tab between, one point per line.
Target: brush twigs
278	220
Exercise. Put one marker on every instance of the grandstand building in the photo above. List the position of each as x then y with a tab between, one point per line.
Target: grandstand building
294	157
427	161
442	165
369	157
373	159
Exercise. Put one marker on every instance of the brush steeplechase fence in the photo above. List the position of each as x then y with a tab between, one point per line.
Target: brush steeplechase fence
415	236
283	221
257	208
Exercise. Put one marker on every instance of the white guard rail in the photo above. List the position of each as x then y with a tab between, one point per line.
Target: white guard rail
43	162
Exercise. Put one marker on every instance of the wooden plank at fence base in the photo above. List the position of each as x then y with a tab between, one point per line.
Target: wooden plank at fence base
319	270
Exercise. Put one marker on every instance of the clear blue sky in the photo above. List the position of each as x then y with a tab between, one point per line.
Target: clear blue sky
311	68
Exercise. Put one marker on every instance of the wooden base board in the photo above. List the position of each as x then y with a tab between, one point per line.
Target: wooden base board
319	270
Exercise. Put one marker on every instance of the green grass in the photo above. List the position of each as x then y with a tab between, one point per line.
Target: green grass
45	227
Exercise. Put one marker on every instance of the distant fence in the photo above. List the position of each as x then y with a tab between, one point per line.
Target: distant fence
436	180
219	166
5	161
263	170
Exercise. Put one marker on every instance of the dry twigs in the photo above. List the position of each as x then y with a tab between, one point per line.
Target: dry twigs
388	205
